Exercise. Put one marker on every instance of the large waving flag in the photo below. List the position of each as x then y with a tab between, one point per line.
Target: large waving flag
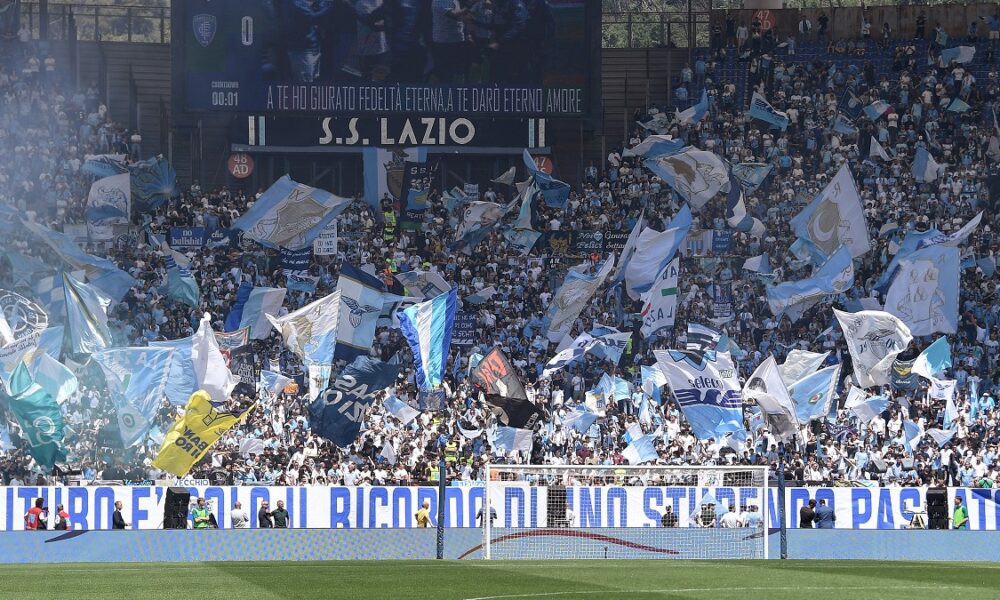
876	109
653	251
232	322
27	323
554	192
924	293
874	339
572	297
338	413
38	415
191	371
918	240
793	298
750	175
136	379
697	175
934	359
109	203
655	146
737	216
800	363
154	183
959	54
579	420
86	329
835	218
427	329
361	299
53	376
425	284
181	284
695	113
813	394
399	409
262	301
580	346
104	165
762	110
767	389
924	168
708	392
496	376
311	331
478	220
102	273
869	408
290	215
272	383
659	306
612	343
192	435
640	450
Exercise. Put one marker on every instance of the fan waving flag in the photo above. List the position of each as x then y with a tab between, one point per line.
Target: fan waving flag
38	415
262	301
337	413
311	331
86	318
762	110
361	299
813	394
697	175
192	435
495	375
835	218
290	215
708	392
696	112
653	251
874	339
934	359
427	328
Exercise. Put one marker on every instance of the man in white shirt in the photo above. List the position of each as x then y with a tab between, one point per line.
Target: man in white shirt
730	519
238	517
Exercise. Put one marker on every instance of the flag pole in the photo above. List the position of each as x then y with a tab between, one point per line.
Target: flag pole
442	471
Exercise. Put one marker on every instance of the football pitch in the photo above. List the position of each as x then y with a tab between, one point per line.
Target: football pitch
557	580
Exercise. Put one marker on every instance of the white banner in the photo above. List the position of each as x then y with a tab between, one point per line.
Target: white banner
325	243
516	505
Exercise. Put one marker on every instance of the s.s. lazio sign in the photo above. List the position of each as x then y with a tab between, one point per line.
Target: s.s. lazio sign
516	505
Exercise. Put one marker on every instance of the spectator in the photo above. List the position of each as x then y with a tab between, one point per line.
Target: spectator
238	517
825	516
807	515
280	515
264	518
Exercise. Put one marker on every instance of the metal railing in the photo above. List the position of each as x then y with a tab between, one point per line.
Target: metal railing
140	21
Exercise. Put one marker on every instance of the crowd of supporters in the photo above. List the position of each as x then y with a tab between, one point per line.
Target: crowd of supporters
48	127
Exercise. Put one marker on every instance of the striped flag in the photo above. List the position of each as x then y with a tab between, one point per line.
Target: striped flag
702	338
427	329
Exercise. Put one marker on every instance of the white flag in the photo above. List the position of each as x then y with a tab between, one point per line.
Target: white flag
210	368
835	217
659	307
769	391
574	294
876	149
800	363
874	339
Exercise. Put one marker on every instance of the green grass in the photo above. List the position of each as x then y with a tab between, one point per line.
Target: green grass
560	580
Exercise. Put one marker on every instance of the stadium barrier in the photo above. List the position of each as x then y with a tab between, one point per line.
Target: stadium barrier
315	507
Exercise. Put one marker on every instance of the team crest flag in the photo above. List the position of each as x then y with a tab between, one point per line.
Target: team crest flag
137	379
835	218
338	412
311	331
697	175
924	293
571	298
109	203
708	392
874	339
86	329
361	299
794	298
659	308
192	435
767	389
38	415
290	215
813	394
427	328
653	251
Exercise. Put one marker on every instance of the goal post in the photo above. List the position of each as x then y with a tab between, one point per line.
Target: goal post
625	512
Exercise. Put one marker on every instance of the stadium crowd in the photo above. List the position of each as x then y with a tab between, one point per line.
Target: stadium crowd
48	127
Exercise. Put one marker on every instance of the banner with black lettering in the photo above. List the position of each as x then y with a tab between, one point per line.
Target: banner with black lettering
463	330
245	368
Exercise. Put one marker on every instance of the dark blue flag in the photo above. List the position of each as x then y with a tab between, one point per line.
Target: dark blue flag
337	413
235	315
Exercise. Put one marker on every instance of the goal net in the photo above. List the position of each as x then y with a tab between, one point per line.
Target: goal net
615	512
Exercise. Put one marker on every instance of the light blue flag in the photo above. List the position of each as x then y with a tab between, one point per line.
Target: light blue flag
614	388
912	433
641	450
655	146
272	383
510	439
696	175
925	293
726	344
633	433
652	380
911	243
50	341
235	315
522	240
183	379
934	359
181	284
973	400
58	381
737	216
876	109
101	273
759	264
109	202
474	359
751	175
871	408
696	112
579	420
39	417
49	293
707	391
154	183
361	299
835	217
290	215
104	165
842	125
86	329
137	379
654	250
793	298
813	394
399	409
941	437
262	301
959	54
924	168
555	193
613	343
762	110
427	329
957	105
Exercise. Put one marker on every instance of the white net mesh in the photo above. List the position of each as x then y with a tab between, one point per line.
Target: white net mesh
613	512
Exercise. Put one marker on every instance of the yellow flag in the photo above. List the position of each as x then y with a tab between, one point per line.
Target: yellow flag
192	435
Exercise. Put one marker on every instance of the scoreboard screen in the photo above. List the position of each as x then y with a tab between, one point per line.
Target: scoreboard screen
515	58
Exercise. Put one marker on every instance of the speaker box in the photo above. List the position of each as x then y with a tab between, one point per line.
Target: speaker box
937	508
175	508
556	506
